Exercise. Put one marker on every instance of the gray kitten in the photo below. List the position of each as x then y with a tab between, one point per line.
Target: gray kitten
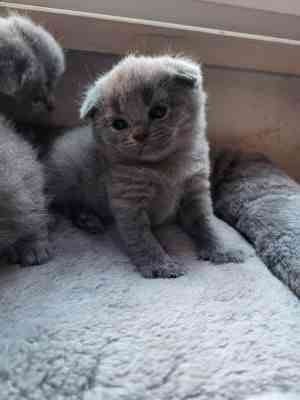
31	62
23	208
145	162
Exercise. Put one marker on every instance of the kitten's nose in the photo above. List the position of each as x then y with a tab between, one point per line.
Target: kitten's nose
139	136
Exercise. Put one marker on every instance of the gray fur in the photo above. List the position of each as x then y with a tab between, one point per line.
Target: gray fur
31	62
23	209
263	203
151	172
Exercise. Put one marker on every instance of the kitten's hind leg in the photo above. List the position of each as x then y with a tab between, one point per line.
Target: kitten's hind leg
88	221
83	217
197	218
29	252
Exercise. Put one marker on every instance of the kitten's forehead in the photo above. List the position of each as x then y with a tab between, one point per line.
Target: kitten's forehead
139	72
138	79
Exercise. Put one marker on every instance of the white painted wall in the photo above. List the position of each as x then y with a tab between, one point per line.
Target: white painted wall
281	6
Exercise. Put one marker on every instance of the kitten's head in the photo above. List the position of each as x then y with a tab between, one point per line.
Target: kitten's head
146	108
31	63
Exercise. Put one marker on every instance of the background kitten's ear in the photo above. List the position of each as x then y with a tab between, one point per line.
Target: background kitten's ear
15	73
25	73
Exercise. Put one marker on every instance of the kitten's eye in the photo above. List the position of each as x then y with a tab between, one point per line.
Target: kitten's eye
119	124
158	112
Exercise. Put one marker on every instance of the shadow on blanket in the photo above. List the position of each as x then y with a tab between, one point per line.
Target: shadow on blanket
263	203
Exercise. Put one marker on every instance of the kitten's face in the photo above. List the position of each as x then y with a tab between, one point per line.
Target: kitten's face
36	95
146	108
34	99
47	66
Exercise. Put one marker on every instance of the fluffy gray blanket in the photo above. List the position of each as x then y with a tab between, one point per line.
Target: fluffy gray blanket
262	203
87	326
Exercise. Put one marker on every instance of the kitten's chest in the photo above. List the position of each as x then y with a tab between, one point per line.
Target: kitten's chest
164	205
156	189
169	190
148	189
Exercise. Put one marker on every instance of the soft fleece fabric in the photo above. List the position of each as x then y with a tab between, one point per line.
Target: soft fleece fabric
87	326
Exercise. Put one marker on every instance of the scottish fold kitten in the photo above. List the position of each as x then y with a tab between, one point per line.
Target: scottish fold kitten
145	161
31	62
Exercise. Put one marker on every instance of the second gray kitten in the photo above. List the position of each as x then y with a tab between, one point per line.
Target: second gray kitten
145	162
31	62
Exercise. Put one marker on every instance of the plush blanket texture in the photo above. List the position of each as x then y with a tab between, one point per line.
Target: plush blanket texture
87	326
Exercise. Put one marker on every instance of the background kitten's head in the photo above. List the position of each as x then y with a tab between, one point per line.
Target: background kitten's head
31	62
146	108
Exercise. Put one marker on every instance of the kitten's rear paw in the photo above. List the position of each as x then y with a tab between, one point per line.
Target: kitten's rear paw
222	255
30	253
170	269
89	222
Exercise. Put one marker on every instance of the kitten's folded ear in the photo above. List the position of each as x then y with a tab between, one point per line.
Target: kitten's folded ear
15	73
186	79
187	74
89	107
87	112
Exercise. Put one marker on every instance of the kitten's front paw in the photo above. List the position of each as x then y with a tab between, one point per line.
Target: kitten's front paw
222	254
89	222
169	269
30	253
